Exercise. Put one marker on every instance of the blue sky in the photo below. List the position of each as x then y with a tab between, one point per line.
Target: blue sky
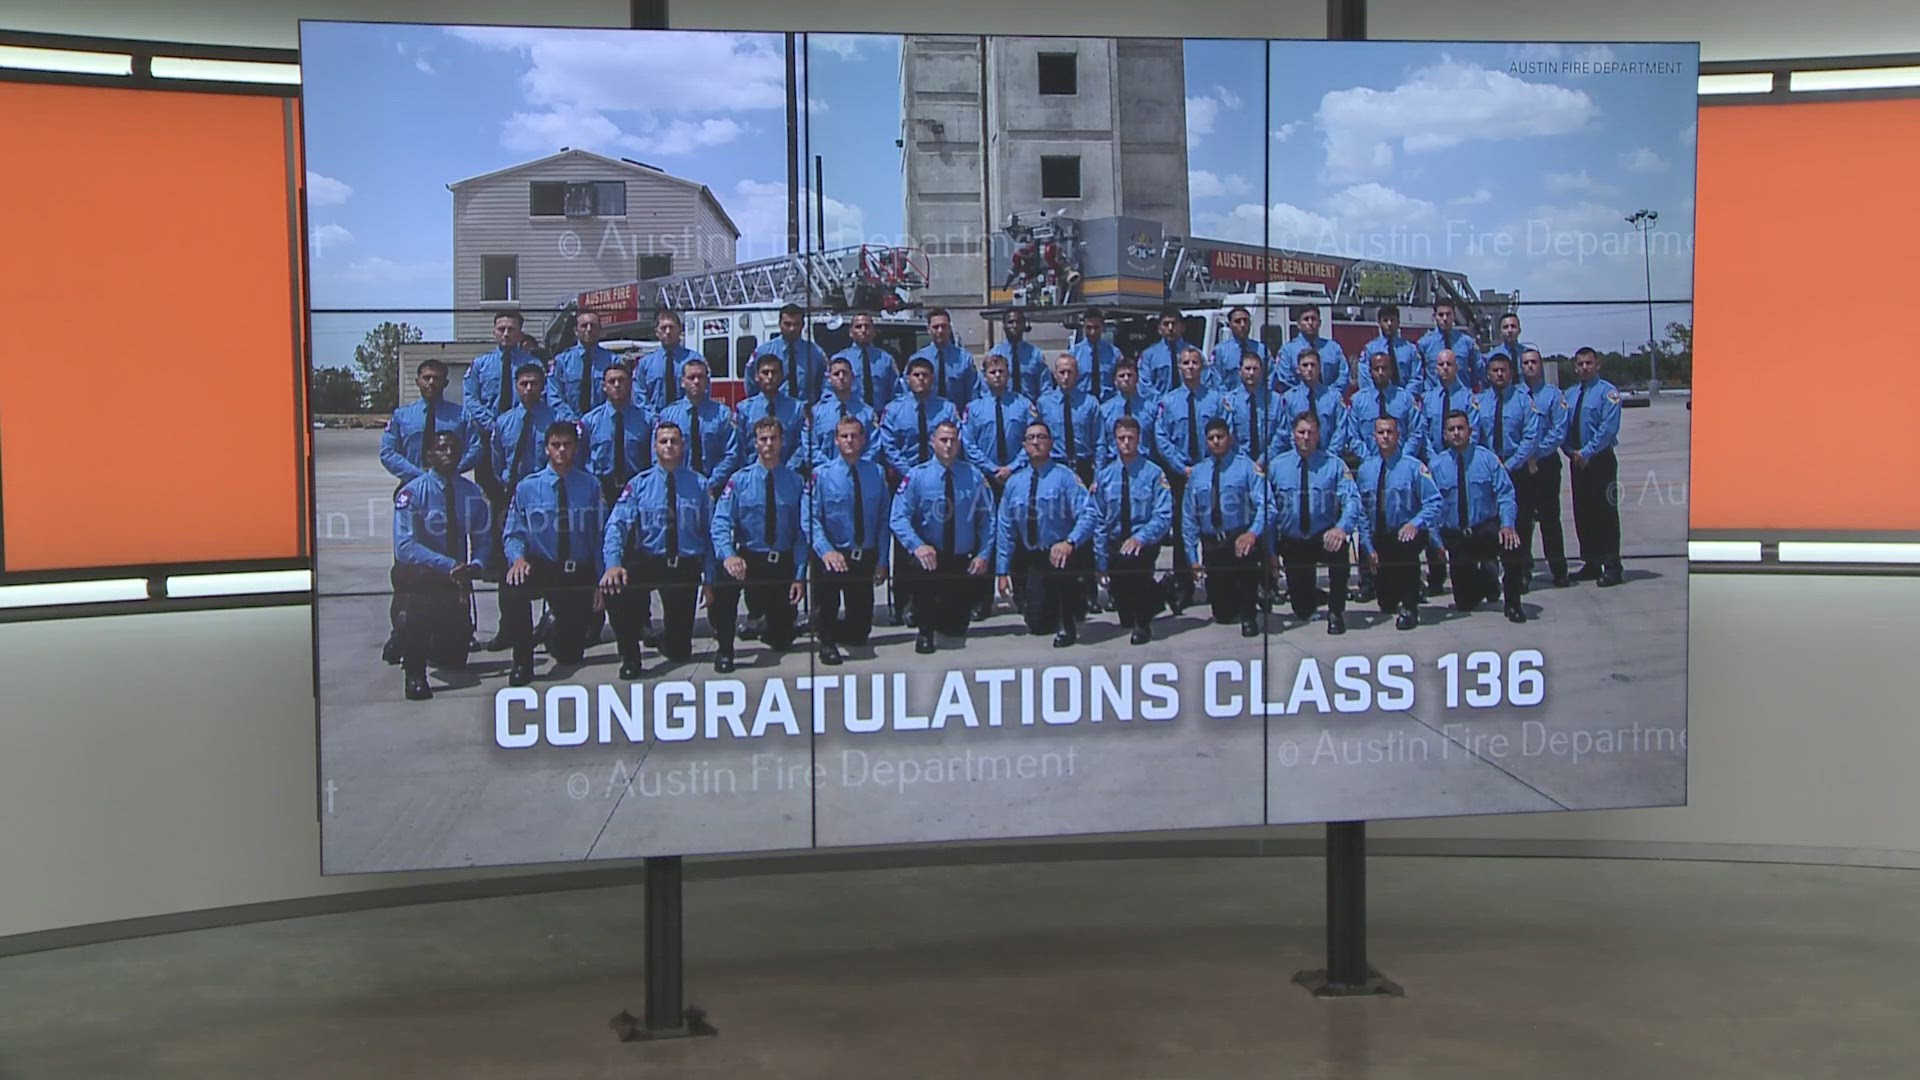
1420	151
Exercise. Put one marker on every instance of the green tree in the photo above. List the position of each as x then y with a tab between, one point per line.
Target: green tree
1679	339
378	360
337	390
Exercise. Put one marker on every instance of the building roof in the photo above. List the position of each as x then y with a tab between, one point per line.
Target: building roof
614	163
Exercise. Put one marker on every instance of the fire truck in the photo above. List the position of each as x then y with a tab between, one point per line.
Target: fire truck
730	312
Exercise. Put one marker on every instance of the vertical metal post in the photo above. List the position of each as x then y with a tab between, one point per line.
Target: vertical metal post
793	149
667	1015
1653	347
819	204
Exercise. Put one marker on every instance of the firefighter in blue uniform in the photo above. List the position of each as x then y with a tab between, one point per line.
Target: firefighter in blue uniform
1315	511
1074	415
443	537
1593	430
710	432
846	513
1256	413
995	423
1409	366
1221	525
1026	362
517	434
552	544
1133	505
1540	491
618	433
1234	348
1477	514
1466	351
906	427
1333	359
1505	422
657	375
771	401
802	363
1509	347
575	378
839	403
1326	403
1399	506
943	518
1044	532
1383	398
1179	426
875	379
403	451
1129	399
487	392
1160	361
759	546
1448	391
658	539
1098	358
954	376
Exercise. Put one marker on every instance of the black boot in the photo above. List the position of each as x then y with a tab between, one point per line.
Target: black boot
417	688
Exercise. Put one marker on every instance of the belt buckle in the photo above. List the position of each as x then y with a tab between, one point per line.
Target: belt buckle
773	558
673	562
858	555
571	566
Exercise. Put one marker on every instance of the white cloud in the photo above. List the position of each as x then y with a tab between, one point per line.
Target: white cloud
1578	184
1227	97
328	236
1289	225
1643	160
1372	207
376	270
1535	51
685	136
326	191
1285	131
420	64
1690	133
760	209
1203	112
845	46
539	134
1441	106
1202	184
1593	54
1481	195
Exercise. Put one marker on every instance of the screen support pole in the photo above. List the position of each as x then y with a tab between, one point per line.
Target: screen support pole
1347	973
667	1015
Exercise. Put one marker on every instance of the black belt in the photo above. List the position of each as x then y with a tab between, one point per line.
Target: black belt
773	558
856	554
1220	537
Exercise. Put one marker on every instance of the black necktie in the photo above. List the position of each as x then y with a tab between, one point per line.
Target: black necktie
1126	406
1499	428
1033	510
1253	427
1575	437
1066	417
619	448
565	524
1306	500
426	433
506	380
1393	358
1219	524
952	518
1094	351
693	411
999	430
859	508
866	373
940	362
1193	429
667	376
773	503
1460	469
673	518
1126	503
923	433
456	535
793	370
523	447
586	379
1380	498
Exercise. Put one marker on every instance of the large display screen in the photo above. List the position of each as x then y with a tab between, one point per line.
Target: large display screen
756	441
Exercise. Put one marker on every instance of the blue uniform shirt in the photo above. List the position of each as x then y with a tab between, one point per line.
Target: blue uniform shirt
1075	422
791	414
1436	403
563	381
1409	364
1026	367
831	512
1149	506
1411	497
905	442
1332	497
520	442
826	419
1224	373
994	438
872	368
1181	432
1259	443
1466	352
954	376
480	389
1061	511
1143	407
1555	411
1108	355
1593	417
402	448
920	511
654	383
1519	425
421	529
718	452
1489	488
740	516
636	434
534	518
1243	502
803	366
1367	408
1160	366
1329	404
1334	370
640	521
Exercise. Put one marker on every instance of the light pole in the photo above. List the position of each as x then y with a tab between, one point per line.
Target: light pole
1643	222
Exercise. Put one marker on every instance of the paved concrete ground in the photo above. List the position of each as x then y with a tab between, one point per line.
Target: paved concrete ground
1515	969
423	785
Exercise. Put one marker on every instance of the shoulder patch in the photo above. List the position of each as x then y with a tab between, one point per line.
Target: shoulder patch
389	426
1424	471
1613	396
403	500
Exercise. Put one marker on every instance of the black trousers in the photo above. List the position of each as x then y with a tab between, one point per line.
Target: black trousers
843	603
769	577
1130	579
943	597
1303	558
1538	493
1596	509
1182	570
1233	581
1397	585
678	583
569	595
431	621
1472	551
1053	598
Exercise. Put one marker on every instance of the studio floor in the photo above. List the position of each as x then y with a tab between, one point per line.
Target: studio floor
1163	968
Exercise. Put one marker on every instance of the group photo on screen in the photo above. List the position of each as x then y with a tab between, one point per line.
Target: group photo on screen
748	441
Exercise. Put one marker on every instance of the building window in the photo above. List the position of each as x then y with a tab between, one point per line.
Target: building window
714	352
563	198
1060	177
649	267
1059	74
499	277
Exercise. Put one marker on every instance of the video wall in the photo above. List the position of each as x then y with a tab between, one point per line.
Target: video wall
1033	436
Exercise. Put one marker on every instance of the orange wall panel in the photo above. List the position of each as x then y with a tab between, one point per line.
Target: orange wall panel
149	406
1805	239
